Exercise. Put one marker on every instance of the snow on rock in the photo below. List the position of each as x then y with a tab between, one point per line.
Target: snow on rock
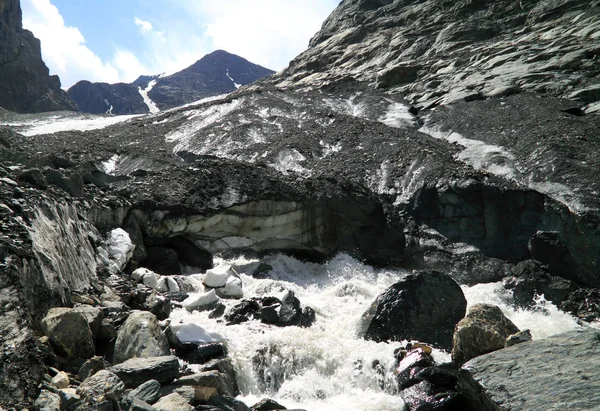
152	107
120	247
167	284
233	289
218	276
192	332
201	301
232	80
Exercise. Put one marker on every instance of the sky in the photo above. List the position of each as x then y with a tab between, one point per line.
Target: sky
118	40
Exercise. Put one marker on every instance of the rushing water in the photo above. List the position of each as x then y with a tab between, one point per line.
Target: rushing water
325	367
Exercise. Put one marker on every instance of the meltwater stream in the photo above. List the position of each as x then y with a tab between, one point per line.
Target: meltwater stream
326	367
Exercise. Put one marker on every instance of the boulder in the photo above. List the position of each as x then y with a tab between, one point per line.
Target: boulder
93	316
172	402
148	392
48	401
190	332
137	371
61	380
91	367
518	338
290	312
104	385
267	404
139	405
195	353
140	336
555	373
159	305
530	278
227	403
424	306
69	333
483	330
221	381
201	301
584	303
34	177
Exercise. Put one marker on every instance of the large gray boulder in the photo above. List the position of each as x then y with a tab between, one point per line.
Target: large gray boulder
140	336
557	373
483	330
424	306
137	371
69	333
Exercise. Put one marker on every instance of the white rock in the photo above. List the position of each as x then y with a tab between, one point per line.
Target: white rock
200	301
61	380
192	332
166	283
139	274
233	289
150	279
120	247
217	277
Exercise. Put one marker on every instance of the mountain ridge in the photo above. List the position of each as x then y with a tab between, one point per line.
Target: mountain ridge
214	74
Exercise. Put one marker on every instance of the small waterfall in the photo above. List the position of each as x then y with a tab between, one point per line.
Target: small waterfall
326	367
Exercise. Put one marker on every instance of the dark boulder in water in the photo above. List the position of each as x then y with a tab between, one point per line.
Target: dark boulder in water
425	306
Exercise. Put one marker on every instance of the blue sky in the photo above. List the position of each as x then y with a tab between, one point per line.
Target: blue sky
112	41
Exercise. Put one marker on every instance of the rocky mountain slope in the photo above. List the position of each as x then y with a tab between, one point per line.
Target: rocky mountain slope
450	136
216	73
25	83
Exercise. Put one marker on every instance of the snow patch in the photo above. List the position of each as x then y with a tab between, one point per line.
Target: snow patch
289	160
481	156
398	116
120	247
232	80
110	165
152	107
329	149
57	124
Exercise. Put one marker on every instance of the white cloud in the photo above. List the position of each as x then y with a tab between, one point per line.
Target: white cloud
145	26
266	32
63	47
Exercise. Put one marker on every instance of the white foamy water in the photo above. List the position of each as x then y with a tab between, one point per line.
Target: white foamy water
544	320
326	367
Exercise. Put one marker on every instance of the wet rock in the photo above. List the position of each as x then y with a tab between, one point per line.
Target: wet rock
104	385
140	336
195	353
584	303
557	372
137	371
518	338
224	366
48	401
242	312
262	270
413	362
425	306
548	248
290	312
172	402
69	333
162	261
531	278
444	388
91	367
483	330
267	404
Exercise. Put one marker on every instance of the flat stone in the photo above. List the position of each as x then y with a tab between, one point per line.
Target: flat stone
137	371
556	373
148	392
172	402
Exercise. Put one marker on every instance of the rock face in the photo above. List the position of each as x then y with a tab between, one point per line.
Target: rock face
555	373
484	329
25	83
216	73
424	306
